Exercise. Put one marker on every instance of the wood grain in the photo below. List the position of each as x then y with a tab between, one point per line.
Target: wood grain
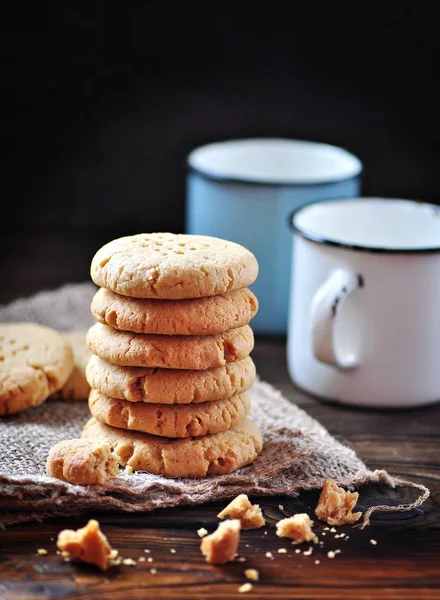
403	565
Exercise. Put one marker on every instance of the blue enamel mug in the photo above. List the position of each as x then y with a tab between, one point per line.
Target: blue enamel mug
246	190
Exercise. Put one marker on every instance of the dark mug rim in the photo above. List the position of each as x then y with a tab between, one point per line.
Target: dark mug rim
323	240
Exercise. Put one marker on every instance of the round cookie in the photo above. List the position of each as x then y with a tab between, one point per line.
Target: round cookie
35	361
173	266
198	316
170	386
169	352
171	421
215	454
76	387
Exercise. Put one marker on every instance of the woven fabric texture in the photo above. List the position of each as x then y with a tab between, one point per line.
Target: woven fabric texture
298	452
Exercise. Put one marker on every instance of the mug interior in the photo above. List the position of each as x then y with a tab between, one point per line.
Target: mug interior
274	161
371	223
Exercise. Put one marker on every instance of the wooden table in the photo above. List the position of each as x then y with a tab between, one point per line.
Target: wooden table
405	563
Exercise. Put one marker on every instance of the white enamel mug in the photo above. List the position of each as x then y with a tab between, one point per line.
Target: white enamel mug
364	314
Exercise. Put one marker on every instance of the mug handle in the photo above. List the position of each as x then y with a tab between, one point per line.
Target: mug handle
324	312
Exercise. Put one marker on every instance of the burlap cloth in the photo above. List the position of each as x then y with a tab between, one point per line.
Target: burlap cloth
298	452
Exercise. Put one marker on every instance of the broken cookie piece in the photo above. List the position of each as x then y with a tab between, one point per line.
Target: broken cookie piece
298	528
88	545
335	505
249	515
221	546
83	462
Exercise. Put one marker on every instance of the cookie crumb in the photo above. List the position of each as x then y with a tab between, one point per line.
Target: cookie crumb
373	542
42	551
280	507
308	552
333	530
202	532
331	554
128	562
241	559
173	551
221	546
147	551
153	571
298	528
317	562
269	555
142	559
87	544
246	587
150	559
335	505
249	515
297	551
337	552
282	550
252	574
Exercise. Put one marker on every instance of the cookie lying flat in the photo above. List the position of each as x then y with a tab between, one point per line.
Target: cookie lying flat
169	352
82	462
171	421
199	316
35	361
189	457
76	387
170	386
173	266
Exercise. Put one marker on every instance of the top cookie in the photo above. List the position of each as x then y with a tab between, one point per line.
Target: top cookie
35	361
173	266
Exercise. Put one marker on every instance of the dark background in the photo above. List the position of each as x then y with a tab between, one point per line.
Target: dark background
103	101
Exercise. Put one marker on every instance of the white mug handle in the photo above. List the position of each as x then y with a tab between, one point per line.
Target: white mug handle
324	312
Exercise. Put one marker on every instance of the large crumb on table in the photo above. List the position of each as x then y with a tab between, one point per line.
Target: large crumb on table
249	515
82	462
221	546
88	545
335	505
298	528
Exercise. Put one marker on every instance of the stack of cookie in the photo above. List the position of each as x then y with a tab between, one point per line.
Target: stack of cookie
171	365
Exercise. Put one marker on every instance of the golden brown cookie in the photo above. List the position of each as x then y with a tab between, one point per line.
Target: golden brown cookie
167	351
189	457
170	386
172	421
198	316
83	462
76	387
173	266
35	361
